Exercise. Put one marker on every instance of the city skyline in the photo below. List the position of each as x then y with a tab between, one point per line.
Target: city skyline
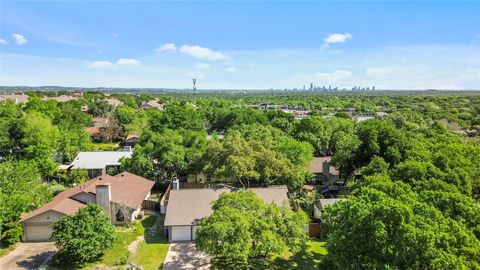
241	45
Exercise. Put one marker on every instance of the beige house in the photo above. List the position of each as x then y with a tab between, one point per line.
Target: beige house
186	207
152	104
323	170
121	197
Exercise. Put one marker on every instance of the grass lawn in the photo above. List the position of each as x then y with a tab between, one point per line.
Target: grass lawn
306	259
151	253
4	248
106	146
119	254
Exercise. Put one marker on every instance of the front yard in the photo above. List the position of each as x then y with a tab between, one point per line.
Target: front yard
141	244
307	259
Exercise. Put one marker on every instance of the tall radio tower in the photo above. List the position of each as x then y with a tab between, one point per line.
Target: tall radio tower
194	91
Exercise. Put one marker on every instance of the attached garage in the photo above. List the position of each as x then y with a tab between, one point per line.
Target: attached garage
194	231
38	232
187	207
38	228
180	233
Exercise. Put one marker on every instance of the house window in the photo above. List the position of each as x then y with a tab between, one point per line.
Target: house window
120	217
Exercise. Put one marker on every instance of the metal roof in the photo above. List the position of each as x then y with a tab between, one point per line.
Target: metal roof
98	160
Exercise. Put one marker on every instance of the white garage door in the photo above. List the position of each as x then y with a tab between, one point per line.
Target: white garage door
34	232
181	233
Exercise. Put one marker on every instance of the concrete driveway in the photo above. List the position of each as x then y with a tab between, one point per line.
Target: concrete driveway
28	256
185	256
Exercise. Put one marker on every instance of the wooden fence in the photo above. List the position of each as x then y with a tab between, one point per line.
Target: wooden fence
150	205
314	230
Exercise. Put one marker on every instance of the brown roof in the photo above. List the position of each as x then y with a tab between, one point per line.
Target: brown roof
154	103
100	122
316	165
93	131
114	102
188	206
15	98
63	98
132	136
127	189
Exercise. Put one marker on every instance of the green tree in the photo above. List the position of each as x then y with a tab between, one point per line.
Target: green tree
385	225
99	108
249	162
242	227
39	142
316	131
84	236
377	166
21	191
177	117
163	156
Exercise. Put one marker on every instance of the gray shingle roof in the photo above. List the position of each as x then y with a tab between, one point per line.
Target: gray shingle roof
187	206
98	160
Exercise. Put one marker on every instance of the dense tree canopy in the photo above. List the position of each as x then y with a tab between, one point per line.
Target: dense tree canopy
21	190
242	227
385	225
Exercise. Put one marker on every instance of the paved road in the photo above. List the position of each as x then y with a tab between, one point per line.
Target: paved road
28	256
185	256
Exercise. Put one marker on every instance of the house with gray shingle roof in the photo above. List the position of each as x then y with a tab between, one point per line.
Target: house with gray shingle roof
186	207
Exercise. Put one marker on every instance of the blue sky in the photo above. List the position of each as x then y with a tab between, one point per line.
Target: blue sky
235	44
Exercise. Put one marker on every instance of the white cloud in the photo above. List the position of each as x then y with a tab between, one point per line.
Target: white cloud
336	38
202	53
335	76
167	47
102	65
122	62
128	62
115	34
203	66
3	41
19	39
379	72
231	69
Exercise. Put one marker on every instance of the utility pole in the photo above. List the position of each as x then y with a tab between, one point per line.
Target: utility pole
194	91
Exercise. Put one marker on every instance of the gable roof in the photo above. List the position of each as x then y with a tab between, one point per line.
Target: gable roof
316	165
62	98
114	102
154	103
127	189
98	160
15	98
187	206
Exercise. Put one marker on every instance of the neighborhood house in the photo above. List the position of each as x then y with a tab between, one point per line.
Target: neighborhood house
322	169
97	163
120	196
186	207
